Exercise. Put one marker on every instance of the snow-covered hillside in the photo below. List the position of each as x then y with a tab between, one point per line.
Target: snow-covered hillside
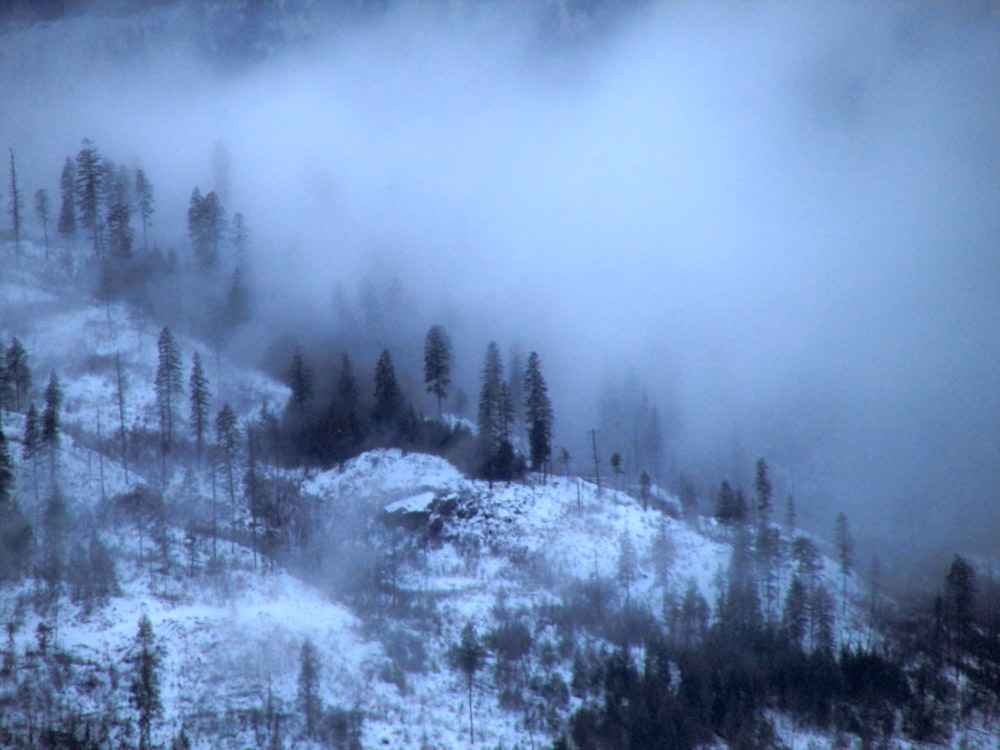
413	554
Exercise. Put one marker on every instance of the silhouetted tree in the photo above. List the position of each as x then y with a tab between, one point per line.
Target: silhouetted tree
845	556
206	223
50	419
15	530
144	199
730	507
437	363
18	374
43	209
89	190
168	386
960	600
144	688
537	414
467	657
494	414
388	407
16	209
119	219
300	379
67	211
225	444
762	486
200	395
308	691
31	444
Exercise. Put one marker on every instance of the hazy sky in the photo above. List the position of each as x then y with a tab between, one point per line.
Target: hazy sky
785	217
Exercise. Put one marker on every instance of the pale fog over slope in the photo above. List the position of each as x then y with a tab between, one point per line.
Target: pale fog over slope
784	218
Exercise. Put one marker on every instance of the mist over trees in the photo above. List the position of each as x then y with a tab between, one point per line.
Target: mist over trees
695	308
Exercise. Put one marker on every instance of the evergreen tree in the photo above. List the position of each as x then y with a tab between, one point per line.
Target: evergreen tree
388	408
50	422
467	657
43	209
346	429
225	446
239	238
31	444
144	197
437	363
762	486
206	223
308	692
89	191
537	414
15	531
960	600
795	617
300	379
821	621
730	507
144	688
18	374
119	219
494	416
168	387
16	207
67	211
845	556
200	395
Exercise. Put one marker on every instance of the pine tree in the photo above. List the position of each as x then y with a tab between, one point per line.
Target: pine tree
89	191
845	556
537	414
168	387
468	657
494	414
31	444
225	445
308	692
119	219
50	419
16	207
43	209
206	223
762	486
388	407
144	689
144	197
795	617
437	363
18	373
960	600
239	239
300	379
67	211
200	395
15	531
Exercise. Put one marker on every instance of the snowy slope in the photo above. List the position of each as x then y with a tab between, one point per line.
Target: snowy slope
231	637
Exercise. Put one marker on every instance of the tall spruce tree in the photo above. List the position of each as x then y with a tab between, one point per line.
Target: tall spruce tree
16	207
762	486
67	210
168	387
494	416
200	395
225	449
119	218
144	687
437	363
31	444
50	422
18	374
388	407
89	191
15	530
43	209
845	556
144	200
537	414
308	689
